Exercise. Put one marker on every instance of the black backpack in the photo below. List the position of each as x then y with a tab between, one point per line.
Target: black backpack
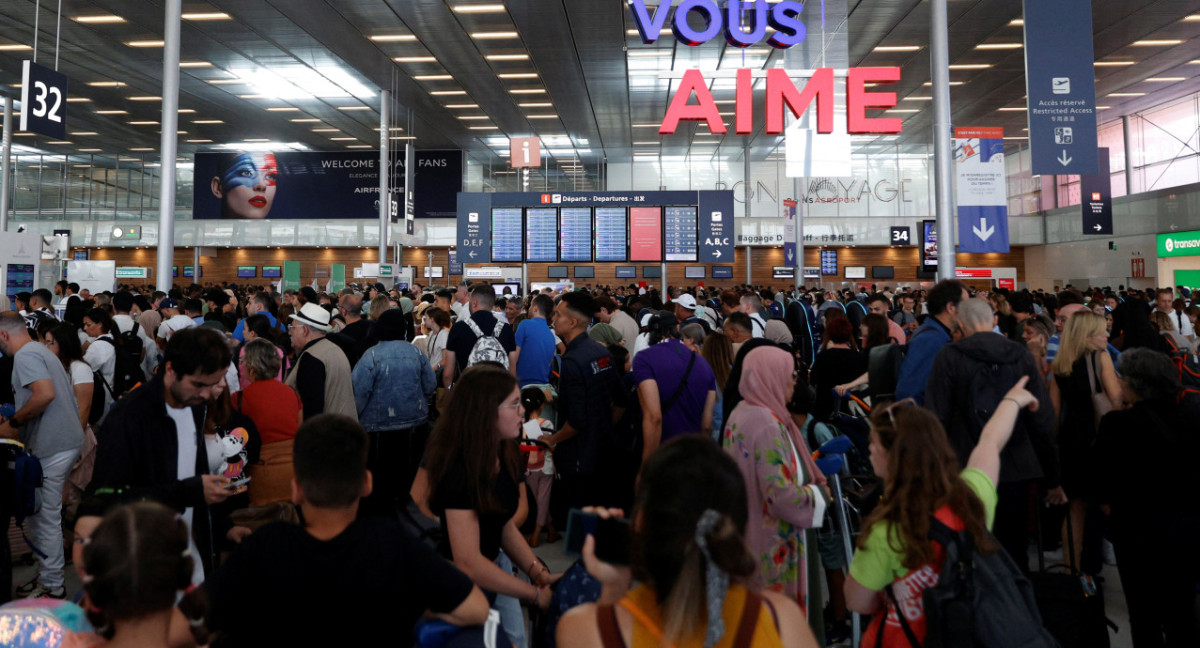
127	369
980	600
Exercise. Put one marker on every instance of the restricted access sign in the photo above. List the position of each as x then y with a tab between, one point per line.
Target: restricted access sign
43	101
1061	86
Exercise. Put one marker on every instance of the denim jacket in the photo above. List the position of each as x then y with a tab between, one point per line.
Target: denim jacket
392	386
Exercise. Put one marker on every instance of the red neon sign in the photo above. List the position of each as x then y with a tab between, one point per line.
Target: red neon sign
782	91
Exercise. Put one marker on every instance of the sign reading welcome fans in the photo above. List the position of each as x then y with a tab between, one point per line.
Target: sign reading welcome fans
318	184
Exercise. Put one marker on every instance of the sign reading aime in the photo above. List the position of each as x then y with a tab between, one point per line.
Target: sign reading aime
780	90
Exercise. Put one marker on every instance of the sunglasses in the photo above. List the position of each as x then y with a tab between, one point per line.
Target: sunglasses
891	409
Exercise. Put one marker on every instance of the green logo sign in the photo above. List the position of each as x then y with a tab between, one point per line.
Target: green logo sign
131	273
1179	244
385	270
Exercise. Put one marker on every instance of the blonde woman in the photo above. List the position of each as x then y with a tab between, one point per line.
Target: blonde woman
1082	369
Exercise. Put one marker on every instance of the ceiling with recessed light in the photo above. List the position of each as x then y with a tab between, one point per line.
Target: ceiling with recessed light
470	73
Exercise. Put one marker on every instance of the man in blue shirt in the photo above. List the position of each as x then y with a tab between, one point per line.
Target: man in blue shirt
929	338
261	302
535	343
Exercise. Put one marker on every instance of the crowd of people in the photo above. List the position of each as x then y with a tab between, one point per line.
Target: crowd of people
245	466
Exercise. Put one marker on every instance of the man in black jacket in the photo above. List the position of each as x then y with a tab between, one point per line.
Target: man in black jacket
151	444
966	383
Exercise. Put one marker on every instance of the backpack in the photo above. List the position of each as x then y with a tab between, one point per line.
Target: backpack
980	600
127	369
883	371
487	347
1186	363
99	388
989	383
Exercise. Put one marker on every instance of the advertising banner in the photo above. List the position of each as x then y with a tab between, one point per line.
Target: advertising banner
317	184
337	277
1095	192
1178	244
929	244
981	191
789	232
291	276
1060	83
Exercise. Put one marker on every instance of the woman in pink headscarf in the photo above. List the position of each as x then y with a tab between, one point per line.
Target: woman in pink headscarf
786	490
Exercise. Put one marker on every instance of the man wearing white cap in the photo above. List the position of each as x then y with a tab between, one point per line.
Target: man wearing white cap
688	312
322	373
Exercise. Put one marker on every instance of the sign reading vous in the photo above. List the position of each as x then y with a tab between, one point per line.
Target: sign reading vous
782	16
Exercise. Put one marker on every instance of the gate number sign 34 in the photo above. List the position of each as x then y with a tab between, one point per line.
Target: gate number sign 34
43	100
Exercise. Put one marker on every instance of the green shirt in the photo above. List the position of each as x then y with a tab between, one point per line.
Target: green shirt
879	564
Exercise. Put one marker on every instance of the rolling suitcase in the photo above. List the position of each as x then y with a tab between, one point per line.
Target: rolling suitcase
1071	604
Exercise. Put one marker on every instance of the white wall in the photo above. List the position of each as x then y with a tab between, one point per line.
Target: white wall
1091	263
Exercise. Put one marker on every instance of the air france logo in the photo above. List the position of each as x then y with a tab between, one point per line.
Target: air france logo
783	16
1170	245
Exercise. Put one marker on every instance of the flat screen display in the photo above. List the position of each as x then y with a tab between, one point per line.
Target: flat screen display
189	271
783	272
722	272
651	272
856	272
694	272
611	238
883	272
19	279
575	234
247	272
272	272
680	236
585	272
556	272
929	244
541	235
507	238
829	264
645	234
626	272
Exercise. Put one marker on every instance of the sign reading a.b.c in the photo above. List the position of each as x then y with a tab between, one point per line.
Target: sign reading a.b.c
43	101
1061	86
714	232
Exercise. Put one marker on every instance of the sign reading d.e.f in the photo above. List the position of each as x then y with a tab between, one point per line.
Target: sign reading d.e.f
43	101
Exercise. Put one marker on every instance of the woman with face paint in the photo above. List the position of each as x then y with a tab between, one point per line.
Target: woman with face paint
245	184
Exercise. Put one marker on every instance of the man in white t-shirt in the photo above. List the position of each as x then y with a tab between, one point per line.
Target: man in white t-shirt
154	442
173	321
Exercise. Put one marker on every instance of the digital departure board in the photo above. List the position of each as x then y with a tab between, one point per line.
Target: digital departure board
507	240
611	234
645	234
680	235
829	263
541	235
575	234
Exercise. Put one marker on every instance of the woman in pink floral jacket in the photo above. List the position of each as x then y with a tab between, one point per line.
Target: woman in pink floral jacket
786	490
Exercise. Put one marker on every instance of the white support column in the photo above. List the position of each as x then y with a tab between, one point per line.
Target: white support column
169	144
5	162
939	63
385	196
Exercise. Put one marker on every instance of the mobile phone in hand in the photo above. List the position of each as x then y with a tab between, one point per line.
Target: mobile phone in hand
612	536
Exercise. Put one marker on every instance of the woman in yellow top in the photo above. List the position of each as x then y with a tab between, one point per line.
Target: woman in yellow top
689	553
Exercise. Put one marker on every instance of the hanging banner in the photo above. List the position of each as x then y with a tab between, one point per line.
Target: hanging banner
1095	192
1060	82
43	101
789	232
715	226
981	191
291	276
337	277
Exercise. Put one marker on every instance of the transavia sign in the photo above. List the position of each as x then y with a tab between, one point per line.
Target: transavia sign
1179	244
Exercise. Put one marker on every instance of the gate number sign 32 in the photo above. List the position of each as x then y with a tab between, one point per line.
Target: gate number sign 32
43	99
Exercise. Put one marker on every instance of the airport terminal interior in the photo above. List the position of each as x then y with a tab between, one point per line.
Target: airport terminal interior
705	172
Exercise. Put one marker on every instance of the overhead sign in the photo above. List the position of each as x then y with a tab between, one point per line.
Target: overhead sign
474	240
1178	244
525	152
981	190
715	226
789	232
319	184
130	272
1061	86
1006	284
43	101
127	232
1095	193
901	236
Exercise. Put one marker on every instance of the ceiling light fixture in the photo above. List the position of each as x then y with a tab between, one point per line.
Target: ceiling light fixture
142	149
82	133
78	100
89	150
325	130
112	112
415	59
999	46
483	128
107	84
448	93
1113	63
348	108
209	15
283	109
970	66
528	91
99	19
468	105
225	81
60	142
1166	79
479	8
518	75
658	53
541	116
1016	22
303	120
897	48
343	139
185	110
12	47
1127	94
507	57
194	64
144	98
143	122
953	83
917	98
1012	109
473	117
207	121
302	82
536	104
144	43
493	35
433	77
358	146
389	38
1164	42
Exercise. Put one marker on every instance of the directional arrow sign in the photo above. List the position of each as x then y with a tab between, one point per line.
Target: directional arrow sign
1060	83
1064	159
983	231
1097	227
1095	192
717	253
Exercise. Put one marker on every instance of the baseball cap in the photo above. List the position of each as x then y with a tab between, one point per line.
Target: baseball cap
167	303
686	301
